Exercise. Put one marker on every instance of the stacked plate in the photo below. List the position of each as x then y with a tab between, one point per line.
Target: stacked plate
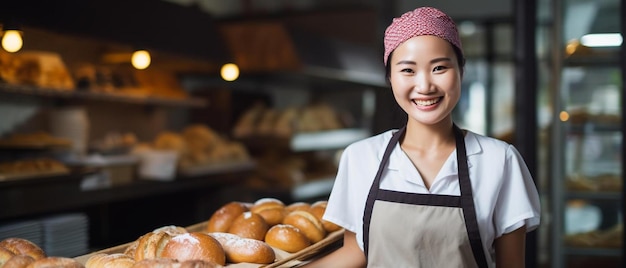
66	235
30	230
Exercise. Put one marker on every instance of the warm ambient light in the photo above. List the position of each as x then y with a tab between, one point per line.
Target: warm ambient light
564	116
230	72
601	40
140	59
12	41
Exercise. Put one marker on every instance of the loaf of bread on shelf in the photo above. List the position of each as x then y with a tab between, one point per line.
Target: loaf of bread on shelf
223	217
286	237
310	225
150	245
239	249
194	246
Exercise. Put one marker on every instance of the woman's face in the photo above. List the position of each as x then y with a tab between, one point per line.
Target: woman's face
425	78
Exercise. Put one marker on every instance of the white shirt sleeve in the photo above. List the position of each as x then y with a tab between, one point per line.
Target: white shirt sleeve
518	201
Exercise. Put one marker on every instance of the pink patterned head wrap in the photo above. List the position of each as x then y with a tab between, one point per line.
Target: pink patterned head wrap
421	21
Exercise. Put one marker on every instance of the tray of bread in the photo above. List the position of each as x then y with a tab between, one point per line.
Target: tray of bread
266	233
35	140
32	169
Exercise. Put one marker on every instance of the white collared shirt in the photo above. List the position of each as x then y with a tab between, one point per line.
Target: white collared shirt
505	196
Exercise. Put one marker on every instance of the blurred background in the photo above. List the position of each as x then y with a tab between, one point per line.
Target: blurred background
122	116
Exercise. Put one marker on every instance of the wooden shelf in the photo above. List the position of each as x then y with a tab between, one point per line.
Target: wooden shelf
99	96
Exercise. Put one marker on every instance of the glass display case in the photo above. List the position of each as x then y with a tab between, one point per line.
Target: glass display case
587	136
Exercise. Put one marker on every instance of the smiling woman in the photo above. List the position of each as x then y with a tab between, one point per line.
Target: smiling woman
467	196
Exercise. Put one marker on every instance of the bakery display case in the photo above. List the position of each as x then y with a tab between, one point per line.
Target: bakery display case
587	137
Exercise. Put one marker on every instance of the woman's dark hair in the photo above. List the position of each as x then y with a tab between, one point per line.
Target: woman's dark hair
459	57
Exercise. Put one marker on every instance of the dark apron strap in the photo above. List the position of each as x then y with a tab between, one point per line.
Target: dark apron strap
371	197
467	199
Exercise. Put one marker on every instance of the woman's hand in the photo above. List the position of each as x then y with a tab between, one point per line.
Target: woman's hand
349	255
510	249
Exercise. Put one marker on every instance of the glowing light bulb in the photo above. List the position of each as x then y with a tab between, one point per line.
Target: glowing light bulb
140	59
12	41
229	72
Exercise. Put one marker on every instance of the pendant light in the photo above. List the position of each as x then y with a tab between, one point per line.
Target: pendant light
229	72
140	59
11	38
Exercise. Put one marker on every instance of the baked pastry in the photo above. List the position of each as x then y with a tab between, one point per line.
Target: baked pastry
171	230
310	226
286	237
19	261
20	246
55	262
171	263
5	255
317	209
272	210
151	245
115	260
298	206
194	246
223	218
249	225
239	249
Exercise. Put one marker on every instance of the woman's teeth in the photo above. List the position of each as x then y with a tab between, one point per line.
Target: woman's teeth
426	102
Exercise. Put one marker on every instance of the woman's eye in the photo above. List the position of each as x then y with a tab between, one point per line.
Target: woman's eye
406	70
439	68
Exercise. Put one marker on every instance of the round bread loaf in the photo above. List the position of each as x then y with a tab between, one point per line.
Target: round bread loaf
171	263
223	218
298	206
194	246
115	260
249	225
310	226
151	245
317	209
55	262
239	249
20	246
268	200
286	237
19	261
171	230
5	255
272	212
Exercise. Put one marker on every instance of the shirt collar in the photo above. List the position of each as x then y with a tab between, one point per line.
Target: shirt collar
398	160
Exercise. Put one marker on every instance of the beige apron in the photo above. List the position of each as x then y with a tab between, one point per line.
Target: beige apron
422	230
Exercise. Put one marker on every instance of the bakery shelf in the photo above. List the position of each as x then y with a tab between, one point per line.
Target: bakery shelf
327	140
608	252
100	96
594	195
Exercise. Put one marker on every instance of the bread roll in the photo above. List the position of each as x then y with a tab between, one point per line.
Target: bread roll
115	260
310	226
20	246
249	225
171	263
223	218
317	209
272	212
268	200
55	262
298	206
19	261
239	249
171	230
5	255
286	237
194	246
151	245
